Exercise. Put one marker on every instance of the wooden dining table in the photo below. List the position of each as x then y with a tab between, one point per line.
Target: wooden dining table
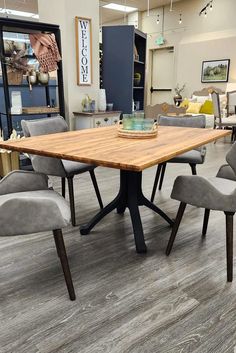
103	147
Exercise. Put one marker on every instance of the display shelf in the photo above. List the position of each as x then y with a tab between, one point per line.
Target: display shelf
118	78
44	92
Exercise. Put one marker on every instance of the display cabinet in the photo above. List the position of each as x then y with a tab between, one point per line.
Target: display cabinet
41	100
123	67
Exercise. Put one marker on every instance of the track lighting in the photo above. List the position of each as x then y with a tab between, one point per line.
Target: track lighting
158	19
180	18
204	9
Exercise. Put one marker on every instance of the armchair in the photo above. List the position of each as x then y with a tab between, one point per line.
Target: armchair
36	209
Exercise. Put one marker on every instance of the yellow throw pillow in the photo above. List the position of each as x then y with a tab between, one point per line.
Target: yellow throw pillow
194	108
207	108
184	104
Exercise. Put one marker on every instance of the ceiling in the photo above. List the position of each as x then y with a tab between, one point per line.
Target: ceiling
20	5
111	15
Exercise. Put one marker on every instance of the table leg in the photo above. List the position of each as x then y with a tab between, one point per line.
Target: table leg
130	196
133	191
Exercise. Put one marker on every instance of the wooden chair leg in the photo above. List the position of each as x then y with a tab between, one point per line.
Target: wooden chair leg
175	228
205	222
162	175
61	251
95	185
154	189
229	244
193	169
72	200
63	187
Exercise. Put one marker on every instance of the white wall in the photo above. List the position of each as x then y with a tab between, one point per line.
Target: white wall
63	12
196	39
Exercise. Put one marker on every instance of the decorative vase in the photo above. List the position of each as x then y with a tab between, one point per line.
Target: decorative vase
178	99
43	78
102	103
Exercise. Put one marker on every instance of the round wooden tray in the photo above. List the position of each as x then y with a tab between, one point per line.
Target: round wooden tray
136	134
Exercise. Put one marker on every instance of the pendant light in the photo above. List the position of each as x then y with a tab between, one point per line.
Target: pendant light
180	18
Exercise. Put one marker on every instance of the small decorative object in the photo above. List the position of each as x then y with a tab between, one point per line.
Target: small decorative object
102	104
136	56
86	103
215	71
43	78
32	78
16	102
92	106
17	66
83	33
136	105
178	97
9	160
137	79
136	128
110	107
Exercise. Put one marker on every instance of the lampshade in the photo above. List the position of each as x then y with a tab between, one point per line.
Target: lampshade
231	86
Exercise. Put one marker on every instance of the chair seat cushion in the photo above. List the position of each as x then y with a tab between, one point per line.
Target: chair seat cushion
32	212
194	156
226	172
73	168
212	193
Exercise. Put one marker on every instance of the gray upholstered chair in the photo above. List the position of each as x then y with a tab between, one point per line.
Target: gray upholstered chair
194	157
57	167
220	122
212	194
36	208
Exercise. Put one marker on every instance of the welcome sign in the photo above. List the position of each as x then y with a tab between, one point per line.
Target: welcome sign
83	30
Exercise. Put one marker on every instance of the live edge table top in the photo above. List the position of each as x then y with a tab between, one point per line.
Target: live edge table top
102	146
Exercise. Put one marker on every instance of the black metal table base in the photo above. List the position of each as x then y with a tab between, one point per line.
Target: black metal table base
130	196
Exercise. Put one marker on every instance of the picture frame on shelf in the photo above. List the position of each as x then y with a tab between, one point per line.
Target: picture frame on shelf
215	71
83	37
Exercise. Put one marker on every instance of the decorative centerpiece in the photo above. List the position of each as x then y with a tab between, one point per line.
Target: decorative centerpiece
137	128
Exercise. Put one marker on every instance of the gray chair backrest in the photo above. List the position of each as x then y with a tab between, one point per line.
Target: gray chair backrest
231	102
231	157
216	106
45	165
198	121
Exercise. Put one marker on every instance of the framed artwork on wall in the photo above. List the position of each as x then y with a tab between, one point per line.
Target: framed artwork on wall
215	71
83	37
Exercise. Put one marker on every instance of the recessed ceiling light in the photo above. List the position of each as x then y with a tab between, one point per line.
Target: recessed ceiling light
18	13
119	7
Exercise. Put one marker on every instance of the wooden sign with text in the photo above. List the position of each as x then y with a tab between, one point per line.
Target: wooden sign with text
83	34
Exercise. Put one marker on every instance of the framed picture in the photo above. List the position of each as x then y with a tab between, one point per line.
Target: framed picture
83	36
215	70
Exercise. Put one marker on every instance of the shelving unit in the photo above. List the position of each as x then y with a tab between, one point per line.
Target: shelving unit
120	64
49	92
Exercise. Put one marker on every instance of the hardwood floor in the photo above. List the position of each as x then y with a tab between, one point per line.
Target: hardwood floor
126	303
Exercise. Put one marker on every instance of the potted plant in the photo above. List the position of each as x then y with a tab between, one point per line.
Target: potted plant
178	96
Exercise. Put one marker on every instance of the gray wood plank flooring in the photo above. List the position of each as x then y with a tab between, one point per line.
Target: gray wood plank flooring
126	303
